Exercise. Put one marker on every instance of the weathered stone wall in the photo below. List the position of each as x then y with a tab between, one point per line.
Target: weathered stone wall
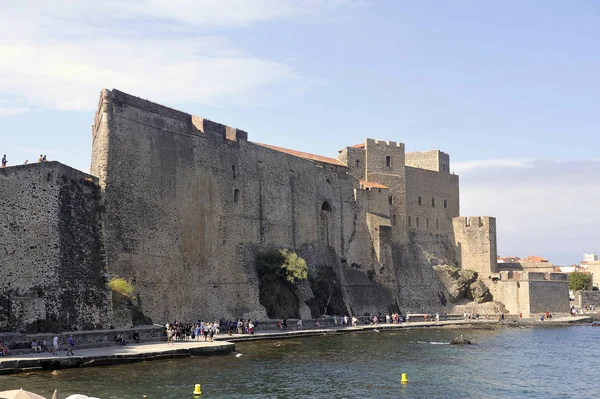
432	200
52	261
434	160
587	298
542	267
187	209
475	242
532	292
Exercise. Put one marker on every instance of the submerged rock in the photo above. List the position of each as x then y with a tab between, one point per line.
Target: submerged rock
460	341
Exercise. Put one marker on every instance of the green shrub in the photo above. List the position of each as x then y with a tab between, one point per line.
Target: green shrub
579	281
120	285
281	265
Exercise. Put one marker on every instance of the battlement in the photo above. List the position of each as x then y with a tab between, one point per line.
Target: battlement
383	143
194	123
474	222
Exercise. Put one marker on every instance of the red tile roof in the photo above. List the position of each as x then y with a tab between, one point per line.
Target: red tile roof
535	259
359	145
371	184
305	155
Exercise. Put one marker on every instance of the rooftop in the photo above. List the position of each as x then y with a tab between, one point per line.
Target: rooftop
305	155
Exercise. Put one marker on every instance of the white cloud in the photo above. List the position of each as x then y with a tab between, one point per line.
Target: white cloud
11	111
466	166
60	55
546	208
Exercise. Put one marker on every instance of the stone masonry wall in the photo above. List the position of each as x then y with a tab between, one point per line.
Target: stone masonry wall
51	250
475	241
187	209
432	200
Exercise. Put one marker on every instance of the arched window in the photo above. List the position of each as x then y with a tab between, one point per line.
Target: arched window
326	207
236	196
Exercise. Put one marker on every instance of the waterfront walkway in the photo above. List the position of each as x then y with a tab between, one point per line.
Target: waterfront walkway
223	344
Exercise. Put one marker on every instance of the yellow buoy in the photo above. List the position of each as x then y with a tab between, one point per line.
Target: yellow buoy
197	390
404	380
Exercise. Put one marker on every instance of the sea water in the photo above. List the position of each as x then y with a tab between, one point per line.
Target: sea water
540	362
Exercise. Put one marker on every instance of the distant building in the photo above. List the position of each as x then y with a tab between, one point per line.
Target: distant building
591	264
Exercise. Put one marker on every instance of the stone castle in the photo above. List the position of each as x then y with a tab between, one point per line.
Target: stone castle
181	206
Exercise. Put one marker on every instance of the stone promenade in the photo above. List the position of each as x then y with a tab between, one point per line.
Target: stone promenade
223	344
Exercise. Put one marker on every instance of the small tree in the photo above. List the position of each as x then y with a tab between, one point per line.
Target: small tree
295	267
120	285
281	265
579	281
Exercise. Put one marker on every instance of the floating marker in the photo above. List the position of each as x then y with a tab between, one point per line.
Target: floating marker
197	390
404	380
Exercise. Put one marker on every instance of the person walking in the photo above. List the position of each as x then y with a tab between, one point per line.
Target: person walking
70	345
55	344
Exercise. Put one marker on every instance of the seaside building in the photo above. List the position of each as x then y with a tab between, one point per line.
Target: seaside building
181	206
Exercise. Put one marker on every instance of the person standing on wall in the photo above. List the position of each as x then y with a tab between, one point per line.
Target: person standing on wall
4	161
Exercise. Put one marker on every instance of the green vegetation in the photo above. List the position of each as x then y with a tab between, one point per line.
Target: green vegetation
579	281
120	285
280	265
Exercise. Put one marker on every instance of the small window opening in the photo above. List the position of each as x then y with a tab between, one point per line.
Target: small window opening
233	171
433	202
388	161
394	220
391	199
427	223
357	163
409	221
326	207
445	203
420	201
417	222
437	224
236	196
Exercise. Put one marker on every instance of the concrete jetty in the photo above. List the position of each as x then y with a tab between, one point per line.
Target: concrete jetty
224	344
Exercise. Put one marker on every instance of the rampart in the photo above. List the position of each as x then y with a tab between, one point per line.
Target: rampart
532	292
53	275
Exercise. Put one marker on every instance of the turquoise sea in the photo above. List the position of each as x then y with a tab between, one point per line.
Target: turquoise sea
540	362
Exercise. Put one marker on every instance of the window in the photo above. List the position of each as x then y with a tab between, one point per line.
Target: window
433	202
233	170
417	222
409	221
394	220
326	207
445	203
427	225
437	224
419	200
357	163
388	161
391	199
236	196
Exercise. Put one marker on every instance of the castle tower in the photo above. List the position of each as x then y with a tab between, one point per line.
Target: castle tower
475	242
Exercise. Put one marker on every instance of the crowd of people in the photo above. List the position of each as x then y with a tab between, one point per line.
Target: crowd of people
206	330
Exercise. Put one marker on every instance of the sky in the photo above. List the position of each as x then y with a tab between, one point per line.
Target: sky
510	89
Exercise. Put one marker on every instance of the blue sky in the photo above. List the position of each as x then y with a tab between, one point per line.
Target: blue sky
510	89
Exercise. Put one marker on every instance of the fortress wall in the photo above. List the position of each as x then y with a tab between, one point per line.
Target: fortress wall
429	185
548	295
177	228
543	267
429	160
355	159
52	256
475	242
392	176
